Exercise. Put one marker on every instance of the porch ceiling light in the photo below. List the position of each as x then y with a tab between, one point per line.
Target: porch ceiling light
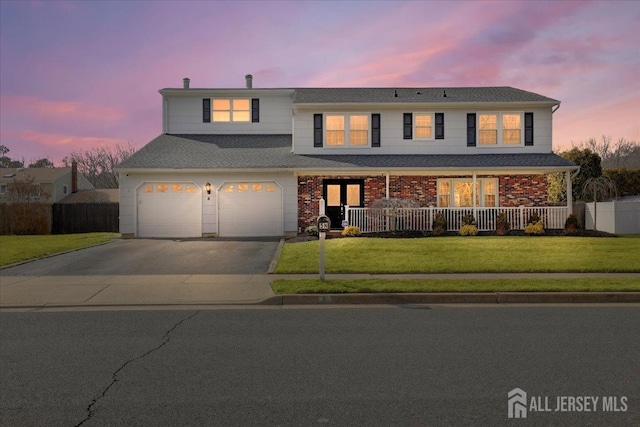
207	187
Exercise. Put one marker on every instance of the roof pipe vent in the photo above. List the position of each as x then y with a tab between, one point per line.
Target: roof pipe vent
185	82
249	80
444	93
395	93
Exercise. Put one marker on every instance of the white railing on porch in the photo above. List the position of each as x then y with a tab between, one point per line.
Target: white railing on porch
420	219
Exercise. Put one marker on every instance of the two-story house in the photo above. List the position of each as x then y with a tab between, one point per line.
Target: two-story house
256	162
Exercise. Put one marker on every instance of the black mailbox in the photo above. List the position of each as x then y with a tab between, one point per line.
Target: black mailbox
324	223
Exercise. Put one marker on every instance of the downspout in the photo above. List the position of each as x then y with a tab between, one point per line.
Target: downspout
386	188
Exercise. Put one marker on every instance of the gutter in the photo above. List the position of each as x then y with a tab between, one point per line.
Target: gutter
555	109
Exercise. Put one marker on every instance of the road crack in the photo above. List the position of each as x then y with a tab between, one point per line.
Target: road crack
114	377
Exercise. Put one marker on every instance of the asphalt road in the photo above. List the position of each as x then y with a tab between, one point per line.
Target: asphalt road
158	256
410	365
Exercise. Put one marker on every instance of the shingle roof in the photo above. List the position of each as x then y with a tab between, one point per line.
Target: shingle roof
39	175
274	152
418	95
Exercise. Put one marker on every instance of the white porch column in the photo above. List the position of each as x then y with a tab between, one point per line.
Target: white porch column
569	193
475	207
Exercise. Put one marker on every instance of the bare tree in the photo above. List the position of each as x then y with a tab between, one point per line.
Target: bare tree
593	187
97	164
27	214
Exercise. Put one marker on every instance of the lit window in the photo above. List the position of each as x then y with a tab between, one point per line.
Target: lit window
423	126
243	188
176	188
488	129
228	188
148	189
231	110
353	194
511	129
271	189
162	188
500	129
190	189
257	188
460	191
347	130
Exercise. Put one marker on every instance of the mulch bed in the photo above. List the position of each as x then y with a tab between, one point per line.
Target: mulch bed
416	234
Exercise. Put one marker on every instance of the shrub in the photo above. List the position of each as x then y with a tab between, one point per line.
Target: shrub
533	218
502	224
468	230
439	222
534	228
468	219
571	224
351	231
312	229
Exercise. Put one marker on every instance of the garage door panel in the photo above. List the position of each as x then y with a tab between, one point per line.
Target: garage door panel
169	209
250	209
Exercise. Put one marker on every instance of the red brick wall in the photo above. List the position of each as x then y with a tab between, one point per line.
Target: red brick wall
514	190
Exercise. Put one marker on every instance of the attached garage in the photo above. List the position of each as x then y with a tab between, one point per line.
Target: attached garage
250	209
169	209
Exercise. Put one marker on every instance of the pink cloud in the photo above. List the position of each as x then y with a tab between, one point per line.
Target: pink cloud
70	110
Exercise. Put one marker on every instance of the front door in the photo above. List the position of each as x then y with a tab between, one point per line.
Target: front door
341	192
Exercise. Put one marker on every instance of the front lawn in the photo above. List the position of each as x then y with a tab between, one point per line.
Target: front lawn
465	255
21	248
590	284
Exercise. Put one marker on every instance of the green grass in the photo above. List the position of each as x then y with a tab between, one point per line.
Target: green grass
313	286
21	248
465	255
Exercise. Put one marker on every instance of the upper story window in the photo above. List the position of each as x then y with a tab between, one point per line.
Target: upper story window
347	130
231	110
500	128
423	126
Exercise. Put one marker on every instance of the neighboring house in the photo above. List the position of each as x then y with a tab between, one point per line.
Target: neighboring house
256	162
96	195
55	183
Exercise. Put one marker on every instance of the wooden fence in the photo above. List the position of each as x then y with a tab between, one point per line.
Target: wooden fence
59	218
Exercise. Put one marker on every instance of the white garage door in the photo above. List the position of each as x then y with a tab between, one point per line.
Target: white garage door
250	209
169	209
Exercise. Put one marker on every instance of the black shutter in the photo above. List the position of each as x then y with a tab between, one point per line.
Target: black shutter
206	110
528	128
407	125
375	130
255	110
317	130
439	125
471	129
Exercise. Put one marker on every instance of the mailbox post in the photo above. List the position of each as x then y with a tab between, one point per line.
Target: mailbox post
324	225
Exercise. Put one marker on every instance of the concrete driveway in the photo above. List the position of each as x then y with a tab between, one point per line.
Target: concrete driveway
158	257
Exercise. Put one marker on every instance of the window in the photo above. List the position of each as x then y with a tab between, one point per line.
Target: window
500	129
459	192
423	126
347	130
65	189
231	110
3	189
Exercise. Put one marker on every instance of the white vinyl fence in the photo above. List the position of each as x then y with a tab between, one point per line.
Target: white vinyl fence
420	219
617	217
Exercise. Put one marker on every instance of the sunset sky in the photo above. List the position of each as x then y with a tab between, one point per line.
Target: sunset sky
74	75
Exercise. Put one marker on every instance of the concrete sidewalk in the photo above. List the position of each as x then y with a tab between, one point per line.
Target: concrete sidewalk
205	289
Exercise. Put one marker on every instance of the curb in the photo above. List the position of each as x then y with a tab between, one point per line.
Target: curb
276	256
457	298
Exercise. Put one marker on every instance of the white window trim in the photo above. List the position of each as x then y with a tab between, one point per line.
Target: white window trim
499	114
347	143
452	191
433	126
230	110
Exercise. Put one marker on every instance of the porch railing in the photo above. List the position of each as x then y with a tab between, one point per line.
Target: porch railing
420	219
